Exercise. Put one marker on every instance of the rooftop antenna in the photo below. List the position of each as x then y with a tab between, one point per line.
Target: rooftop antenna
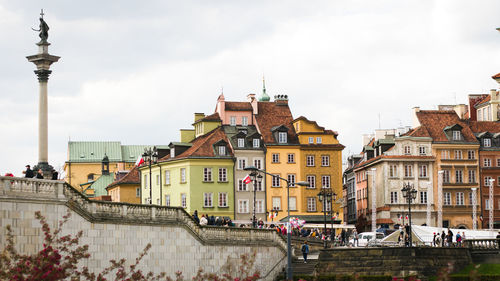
379	121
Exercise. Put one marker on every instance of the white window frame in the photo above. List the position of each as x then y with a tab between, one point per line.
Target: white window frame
486	162
275	180
311	140
167	200
259	206
458	154
311	179
445	154
275	158
183	200
222	174
244	121
207	174
446	176
408	170
457	135
282	137
393	171
471	154
232	120
291	179
258	186
242	163
487	142
447	198
257	162
291	157
256	143
311	204
472	176
208	199
325	181
293	203
183	175
421	150
167	176
394	197
243	206
222	150
276	201
241	142
422	171
310	160
407	150
319	140
223	199
242	186
459	176
325	160
460	199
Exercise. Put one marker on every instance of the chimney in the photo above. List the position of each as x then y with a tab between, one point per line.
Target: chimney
198	116
461	110
367	138
281	99
253	101
416	123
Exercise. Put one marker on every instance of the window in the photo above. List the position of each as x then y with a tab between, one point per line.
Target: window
421	150
487	162
457	135
256	143
258	186
423	197
446	176
257	163
408	171
183	175
311	204
242	186
222	199
394	197
325	181
242	163
167	200
243	206
276	158
291	180
311	140
445	154
470	199
312	181
487	204
90	177
460	198
291	157
241	142
222	150
275	181
167	177
319	140
138	192
208	199
487	181
158	179
325	160
407	149
172	153
232	120
222	174
393	171
293	203
146	181
498	162
447	198
183	200
207	174
259	206
471	154
310	160
459	176
458	154
498	181
422	171
282	137
487	142
244	121
276	203
472	176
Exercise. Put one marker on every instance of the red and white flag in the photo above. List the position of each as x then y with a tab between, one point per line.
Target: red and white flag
406	217
247	180
139	161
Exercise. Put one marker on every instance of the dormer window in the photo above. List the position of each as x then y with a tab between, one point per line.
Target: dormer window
241	142
222	150
244	121
487	142
407	149
457	135
232	120
282	137
311	140
256	143
172	153
318	140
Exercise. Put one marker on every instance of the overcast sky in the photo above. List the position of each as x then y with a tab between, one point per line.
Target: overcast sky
136	71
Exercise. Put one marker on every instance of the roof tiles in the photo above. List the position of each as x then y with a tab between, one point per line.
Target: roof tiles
272	114
435	121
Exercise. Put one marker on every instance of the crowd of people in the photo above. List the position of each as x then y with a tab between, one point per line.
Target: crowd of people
446	239
29	173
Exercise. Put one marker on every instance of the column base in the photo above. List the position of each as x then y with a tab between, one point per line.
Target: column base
46	169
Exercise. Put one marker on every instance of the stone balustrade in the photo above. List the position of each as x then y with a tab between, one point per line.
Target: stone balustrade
115	230
482	244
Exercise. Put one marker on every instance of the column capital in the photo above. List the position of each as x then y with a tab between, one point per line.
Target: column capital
43	74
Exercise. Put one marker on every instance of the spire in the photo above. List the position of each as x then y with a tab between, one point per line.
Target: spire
221	96
264	96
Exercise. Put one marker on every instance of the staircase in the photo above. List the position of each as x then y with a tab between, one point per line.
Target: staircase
299	267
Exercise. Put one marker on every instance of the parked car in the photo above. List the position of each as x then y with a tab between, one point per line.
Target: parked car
365	237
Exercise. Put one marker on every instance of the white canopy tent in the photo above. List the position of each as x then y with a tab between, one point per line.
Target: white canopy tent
425	234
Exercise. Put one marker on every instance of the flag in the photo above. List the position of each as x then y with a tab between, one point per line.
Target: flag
247	180
406	217
271	215
139	161
400	217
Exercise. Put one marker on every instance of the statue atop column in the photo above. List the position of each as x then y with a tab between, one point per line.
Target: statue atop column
43	29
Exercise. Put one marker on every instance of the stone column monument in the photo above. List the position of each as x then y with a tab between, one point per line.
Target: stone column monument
43	60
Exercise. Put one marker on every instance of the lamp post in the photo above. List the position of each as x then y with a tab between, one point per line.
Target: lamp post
490	203
150	156
289	272
410	193
257	179
325	196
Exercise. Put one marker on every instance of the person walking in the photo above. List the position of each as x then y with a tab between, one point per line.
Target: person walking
305	251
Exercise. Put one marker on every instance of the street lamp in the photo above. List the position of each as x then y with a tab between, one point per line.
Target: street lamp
150	156
325	196
257	179
410	193
289	272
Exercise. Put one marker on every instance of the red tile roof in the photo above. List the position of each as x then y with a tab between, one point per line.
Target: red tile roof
238	106
419	131
484	126
272	114
401	157
132	177
212	117
203	145
435	121
483	100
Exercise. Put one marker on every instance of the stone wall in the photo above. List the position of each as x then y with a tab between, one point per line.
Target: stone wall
394	261
120	230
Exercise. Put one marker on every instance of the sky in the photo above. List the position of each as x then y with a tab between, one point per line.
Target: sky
137	71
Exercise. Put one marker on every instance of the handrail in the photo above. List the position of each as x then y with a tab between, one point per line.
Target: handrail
271	270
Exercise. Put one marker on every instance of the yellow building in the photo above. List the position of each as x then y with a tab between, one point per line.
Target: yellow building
320	159
126	188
